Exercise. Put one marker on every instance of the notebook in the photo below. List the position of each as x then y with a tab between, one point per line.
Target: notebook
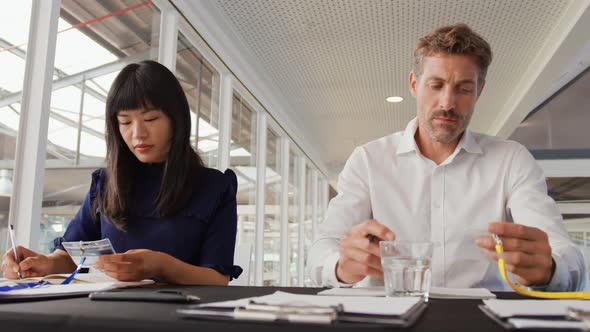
535	314
83	284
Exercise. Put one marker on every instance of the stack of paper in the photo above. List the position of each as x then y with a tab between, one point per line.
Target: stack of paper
435	292
535	314
389	311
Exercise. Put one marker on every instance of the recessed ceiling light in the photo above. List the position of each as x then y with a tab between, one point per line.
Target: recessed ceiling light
394	99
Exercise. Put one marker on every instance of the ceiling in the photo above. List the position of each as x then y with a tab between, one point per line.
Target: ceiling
323	68
559	123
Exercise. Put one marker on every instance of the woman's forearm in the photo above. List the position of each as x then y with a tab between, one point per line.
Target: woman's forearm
61	262
178	272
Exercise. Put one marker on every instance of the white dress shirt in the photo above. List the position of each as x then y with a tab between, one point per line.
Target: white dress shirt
389	180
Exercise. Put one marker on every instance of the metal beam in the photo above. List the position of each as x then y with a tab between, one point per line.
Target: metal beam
574	207
260	196
225	120
88	74
314	204
31	144
284	260
59	73
565	167
301	220
168	35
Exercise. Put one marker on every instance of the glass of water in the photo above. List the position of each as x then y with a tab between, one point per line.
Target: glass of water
406	267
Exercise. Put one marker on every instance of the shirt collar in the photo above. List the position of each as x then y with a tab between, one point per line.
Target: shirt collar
408	142
468	143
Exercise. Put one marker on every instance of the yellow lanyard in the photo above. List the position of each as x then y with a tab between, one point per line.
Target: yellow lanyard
525	290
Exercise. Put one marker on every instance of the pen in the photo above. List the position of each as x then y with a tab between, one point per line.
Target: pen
11	232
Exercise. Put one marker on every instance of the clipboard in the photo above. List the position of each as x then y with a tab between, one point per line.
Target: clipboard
322	315
574	319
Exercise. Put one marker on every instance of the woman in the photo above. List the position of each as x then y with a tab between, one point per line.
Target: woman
167	216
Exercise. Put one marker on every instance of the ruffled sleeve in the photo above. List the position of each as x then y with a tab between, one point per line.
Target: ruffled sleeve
220	239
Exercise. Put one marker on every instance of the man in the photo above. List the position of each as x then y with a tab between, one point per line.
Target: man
437	181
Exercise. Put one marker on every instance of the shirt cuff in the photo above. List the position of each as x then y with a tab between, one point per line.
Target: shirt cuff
561	277
329	272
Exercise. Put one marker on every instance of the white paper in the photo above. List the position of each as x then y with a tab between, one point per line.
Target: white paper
461	293
523	323
435	292
60	289
81	288
351	304
514	308
79	278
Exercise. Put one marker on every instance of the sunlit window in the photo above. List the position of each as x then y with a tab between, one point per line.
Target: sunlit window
293	222
200	83
243	139
272	211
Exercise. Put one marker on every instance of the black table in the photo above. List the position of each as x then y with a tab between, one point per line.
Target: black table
82	315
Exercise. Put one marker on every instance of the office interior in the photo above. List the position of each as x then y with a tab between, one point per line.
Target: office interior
281	92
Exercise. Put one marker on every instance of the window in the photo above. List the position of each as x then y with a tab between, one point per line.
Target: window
293	235
272	217
200	83
243	162
14	33
307	226
95	41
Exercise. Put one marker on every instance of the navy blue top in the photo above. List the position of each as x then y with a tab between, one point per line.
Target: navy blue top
202	233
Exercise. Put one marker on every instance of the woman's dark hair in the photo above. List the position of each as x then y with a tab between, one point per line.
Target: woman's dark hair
147	84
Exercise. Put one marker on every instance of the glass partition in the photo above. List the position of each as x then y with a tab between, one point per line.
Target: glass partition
243	162
308	236
293	223
272	211
200	82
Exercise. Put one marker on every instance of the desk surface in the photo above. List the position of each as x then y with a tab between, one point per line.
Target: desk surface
82	315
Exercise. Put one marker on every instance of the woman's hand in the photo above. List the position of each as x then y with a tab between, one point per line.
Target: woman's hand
133	265
32	264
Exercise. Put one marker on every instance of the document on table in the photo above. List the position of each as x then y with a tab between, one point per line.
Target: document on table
532	308
50	291
313	309
530	314
59	277
357	304
435	292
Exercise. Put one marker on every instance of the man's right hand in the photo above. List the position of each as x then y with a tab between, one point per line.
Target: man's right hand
360	257
32	264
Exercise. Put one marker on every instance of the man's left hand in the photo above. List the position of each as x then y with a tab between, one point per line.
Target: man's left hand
527	252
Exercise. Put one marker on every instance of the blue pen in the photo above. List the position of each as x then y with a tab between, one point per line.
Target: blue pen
16	258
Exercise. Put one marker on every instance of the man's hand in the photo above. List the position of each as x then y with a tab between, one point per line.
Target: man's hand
527	252
359	256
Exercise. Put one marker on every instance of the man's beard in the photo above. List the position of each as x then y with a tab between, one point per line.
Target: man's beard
446	133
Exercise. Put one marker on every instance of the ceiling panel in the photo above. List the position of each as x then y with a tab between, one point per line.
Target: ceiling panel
336	61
